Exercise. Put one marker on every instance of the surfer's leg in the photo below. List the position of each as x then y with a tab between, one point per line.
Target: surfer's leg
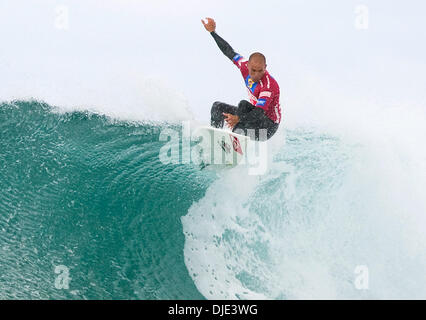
258	126
244	107
217	118
249	122
272	129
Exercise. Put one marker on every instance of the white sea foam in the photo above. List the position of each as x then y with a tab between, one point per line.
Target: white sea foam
328	204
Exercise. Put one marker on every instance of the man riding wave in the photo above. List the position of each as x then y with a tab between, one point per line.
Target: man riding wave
263	113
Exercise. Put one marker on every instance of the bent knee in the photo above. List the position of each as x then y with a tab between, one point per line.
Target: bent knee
243	103
216	106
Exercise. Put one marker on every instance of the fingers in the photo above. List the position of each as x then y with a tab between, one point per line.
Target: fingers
207	21
231	119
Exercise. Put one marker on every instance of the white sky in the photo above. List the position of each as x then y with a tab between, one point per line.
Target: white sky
313	48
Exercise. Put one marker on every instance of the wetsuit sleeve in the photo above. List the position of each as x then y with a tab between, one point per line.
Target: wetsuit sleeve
224	46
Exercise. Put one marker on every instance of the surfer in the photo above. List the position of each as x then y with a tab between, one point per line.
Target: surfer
263	111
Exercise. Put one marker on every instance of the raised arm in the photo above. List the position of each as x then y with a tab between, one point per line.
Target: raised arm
224	46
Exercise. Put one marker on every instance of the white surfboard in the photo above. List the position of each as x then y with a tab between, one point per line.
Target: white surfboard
220	148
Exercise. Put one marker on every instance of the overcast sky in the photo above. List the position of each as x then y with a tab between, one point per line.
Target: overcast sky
94	52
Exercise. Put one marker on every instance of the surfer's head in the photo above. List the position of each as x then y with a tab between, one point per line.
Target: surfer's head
256	66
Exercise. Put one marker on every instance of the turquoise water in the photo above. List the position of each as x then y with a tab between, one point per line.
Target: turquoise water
88	211
89	193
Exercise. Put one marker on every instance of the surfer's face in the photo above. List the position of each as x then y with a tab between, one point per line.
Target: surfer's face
256	69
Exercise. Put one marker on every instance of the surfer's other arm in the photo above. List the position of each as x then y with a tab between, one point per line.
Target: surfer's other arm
224	46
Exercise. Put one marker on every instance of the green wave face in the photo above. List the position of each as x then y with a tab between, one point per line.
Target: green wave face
81	192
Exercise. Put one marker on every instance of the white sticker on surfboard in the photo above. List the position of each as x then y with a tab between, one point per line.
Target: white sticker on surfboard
220	147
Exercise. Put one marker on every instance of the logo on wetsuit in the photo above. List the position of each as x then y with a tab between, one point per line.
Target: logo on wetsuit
251	85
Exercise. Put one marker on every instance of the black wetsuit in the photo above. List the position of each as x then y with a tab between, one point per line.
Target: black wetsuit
251	116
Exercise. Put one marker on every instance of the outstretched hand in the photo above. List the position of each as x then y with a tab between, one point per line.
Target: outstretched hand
231	119
210	25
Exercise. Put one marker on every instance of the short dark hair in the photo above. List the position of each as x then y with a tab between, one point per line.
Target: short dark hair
258	55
